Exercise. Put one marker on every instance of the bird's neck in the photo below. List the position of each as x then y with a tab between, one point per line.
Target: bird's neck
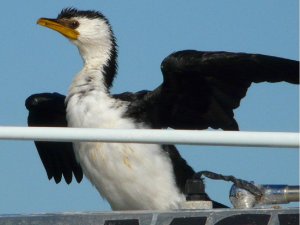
99	70
95	56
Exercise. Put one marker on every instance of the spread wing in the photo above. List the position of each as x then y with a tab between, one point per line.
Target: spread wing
58	158
200	90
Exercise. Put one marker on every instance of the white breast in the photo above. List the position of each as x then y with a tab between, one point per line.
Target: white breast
129	176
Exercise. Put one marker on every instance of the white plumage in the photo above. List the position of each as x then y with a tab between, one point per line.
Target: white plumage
129	176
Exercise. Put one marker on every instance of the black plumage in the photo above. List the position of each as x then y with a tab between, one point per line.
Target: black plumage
199	90
58	157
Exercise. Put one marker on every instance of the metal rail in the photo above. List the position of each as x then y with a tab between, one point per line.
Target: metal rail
190	137
270	216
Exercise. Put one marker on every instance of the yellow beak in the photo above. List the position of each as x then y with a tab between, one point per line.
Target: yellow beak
54	25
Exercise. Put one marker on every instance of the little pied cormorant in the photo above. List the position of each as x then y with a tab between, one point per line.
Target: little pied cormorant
199	90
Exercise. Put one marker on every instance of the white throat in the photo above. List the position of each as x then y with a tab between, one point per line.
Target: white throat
95	42
95	46
96	54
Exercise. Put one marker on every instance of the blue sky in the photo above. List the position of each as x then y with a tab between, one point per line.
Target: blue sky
35	59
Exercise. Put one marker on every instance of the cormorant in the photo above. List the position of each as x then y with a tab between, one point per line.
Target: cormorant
199	90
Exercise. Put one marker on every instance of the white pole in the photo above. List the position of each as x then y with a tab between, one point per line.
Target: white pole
191	137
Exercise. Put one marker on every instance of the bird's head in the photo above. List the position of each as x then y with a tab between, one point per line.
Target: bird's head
89	30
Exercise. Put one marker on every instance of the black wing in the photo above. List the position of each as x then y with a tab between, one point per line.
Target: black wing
48	110
201	89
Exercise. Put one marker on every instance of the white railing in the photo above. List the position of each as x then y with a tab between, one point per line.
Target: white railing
190	137
226	138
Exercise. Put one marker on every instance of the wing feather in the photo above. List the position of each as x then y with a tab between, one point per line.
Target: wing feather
58	158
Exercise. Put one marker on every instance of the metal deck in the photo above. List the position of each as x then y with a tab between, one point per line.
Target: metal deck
289	216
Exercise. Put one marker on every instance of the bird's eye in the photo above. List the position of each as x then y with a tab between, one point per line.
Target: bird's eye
74	24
